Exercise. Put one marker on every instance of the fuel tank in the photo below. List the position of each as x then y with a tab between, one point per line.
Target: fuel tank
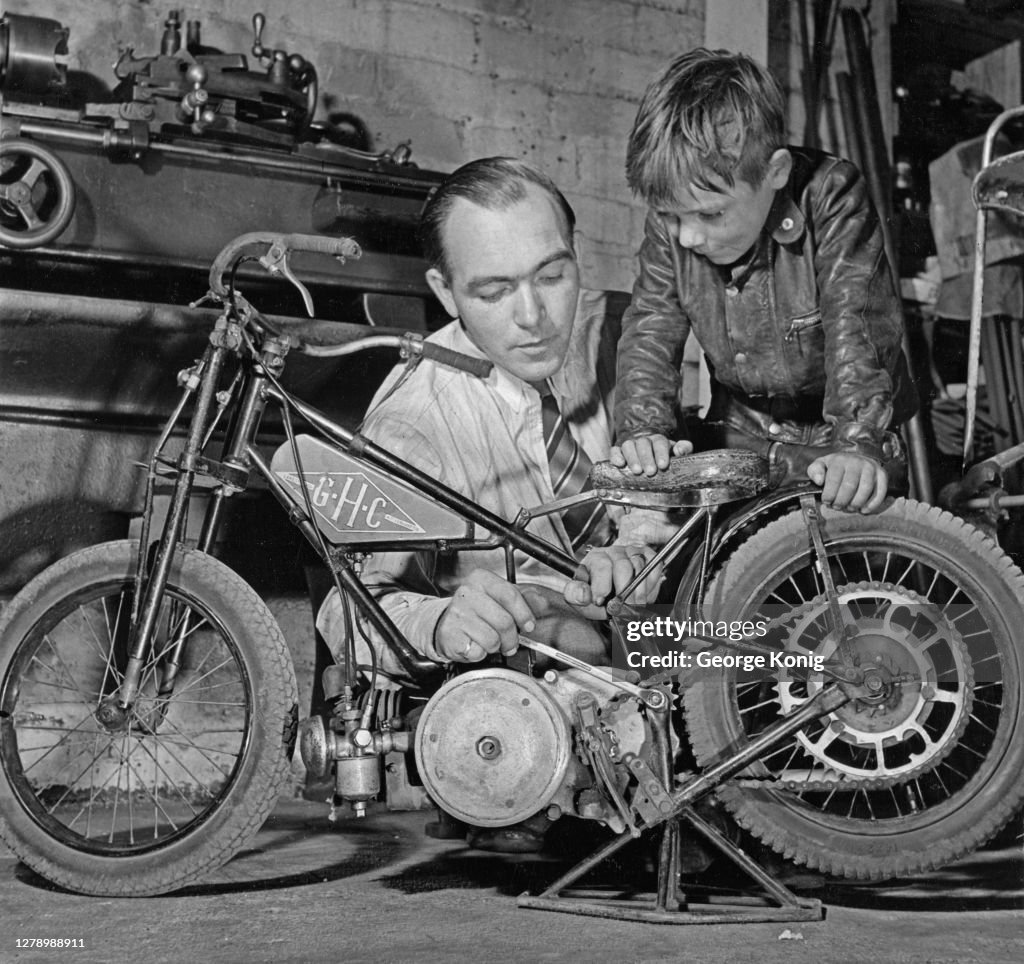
355	504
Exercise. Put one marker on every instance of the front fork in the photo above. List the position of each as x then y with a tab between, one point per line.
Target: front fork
145	615
151	579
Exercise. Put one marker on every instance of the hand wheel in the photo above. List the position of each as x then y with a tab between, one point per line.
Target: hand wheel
37	195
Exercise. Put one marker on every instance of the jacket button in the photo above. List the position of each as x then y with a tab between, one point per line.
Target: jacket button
741	359
774	429
787	224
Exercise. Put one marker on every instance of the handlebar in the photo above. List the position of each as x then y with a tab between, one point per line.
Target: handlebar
279	246
275	260
410	345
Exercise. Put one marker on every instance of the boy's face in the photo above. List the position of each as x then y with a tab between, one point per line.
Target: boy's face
514	282
723	226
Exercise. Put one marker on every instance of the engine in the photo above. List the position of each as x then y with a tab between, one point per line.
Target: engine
494	747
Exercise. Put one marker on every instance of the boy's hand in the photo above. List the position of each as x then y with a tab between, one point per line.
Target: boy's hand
606	572
849	481
648	454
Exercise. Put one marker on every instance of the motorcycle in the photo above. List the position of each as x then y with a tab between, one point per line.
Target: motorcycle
869	726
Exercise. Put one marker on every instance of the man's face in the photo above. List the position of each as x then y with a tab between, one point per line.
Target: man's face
724	226
514	282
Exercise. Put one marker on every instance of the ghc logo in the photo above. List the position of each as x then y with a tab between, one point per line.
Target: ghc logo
350	502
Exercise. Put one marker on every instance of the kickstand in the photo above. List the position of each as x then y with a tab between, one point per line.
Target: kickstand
670	905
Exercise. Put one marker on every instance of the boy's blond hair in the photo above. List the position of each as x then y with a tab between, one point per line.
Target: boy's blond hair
712	117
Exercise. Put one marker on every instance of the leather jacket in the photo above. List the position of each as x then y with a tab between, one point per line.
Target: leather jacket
803	338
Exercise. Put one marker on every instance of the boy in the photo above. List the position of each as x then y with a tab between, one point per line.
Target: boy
773	257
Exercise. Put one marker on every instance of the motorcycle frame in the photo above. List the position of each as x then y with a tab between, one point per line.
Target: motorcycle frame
250	394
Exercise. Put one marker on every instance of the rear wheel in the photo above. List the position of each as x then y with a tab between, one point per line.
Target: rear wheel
148	800
932	767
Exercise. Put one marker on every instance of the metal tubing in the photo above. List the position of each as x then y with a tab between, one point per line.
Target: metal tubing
1011	501
168	546
240	434
878	173
147	510
412	662
585	866
1013	359
824	701
664	554
783	895
668	853
865	99
977	291
1015	333
848	110
316	170
42	308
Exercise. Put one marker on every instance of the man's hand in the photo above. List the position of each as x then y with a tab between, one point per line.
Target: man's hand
608	571
850	481
648	454
485	615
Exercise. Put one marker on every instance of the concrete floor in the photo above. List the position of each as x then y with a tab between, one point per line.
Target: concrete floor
378	890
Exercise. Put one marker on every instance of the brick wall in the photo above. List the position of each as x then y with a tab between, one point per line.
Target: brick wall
553	81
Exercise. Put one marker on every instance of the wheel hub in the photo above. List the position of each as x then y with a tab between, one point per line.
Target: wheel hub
111	716
891	683
916	687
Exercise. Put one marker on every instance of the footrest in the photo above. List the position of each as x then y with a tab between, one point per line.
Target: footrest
707	478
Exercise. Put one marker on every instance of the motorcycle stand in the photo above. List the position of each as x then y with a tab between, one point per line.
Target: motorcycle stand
670	905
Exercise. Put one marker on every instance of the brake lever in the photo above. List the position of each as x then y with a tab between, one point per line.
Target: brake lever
276	262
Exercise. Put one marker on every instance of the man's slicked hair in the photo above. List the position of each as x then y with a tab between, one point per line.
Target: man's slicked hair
493	183
711	117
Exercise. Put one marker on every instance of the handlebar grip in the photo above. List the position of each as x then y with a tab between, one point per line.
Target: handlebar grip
480	367
320	244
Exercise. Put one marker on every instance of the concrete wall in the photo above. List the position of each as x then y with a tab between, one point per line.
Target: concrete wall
554	81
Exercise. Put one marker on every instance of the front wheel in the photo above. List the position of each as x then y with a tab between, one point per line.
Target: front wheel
926	769
150	800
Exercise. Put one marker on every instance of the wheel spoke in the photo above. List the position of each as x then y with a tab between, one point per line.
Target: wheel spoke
195	746
64	666
57	686
60	742
194	681
28	214
74	782
171	782
35	170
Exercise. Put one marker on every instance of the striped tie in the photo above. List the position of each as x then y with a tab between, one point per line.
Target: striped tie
586	523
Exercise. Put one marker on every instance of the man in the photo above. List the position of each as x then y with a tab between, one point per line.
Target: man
499	238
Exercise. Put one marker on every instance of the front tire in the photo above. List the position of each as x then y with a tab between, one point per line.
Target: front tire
914	780
151	802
